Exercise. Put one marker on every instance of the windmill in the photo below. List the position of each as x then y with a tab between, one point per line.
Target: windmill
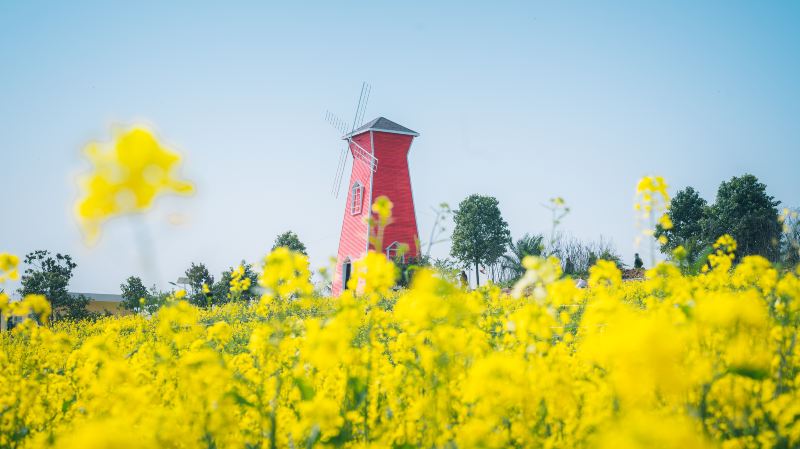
357	150
391	142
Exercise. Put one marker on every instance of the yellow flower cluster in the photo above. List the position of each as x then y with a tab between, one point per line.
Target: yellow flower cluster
285	276
126	178
652	200
31	305
239	283
9	264
673	361
36	305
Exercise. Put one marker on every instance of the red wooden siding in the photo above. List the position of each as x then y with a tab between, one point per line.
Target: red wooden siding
392	180
353	240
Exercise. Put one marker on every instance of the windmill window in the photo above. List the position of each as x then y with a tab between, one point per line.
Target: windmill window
356	198
347	268
395	252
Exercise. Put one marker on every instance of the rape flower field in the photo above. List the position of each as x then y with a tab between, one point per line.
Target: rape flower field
673	361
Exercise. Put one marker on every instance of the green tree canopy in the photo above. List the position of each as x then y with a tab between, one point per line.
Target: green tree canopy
790	242
480	235
290	240
199	275
745	211
49	275
528	245
689	214
133	290
222	288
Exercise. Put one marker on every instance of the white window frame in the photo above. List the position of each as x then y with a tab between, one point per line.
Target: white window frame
356	192
392	251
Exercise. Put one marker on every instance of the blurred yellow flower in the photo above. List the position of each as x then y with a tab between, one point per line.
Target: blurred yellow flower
382	207
605	273
30	304
679	253
373	273
127	176
8	267
285	274
665	221
239	283
220	332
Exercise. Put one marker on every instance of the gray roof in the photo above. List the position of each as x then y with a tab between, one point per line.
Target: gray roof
106	297
382	124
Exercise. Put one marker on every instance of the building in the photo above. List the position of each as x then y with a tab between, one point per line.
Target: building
104	303
380	168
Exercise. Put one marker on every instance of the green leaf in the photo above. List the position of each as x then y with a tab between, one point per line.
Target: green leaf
749	371
306	390
239	399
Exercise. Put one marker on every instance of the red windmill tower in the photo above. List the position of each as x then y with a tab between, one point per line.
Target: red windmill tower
380	167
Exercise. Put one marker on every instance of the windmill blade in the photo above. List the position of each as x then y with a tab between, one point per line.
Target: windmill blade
342	126
360	119
337	123
358	106
361	108
337	174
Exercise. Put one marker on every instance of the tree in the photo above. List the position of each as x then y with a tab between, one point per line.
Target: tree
154	300
569	267
605	252
49	276
790	241
290	240
447	268
480	235
578	256
689	214
745	211
133	291
77	308
528	245
222	289
199	276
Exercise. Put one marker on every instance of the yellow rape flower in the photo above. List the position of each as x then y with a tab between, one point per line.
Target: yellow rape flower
8	267
652	200
239	283
220	332
285	274
373	273
665	221
671	361
126	177
606	273
382	207
725	244
30	304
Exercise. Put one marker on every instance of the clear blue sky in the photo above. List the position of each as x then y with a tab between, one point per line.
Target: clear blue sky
523	101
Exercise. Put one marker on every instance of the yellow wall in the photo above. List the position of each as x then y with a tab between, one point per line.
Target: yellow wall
111	307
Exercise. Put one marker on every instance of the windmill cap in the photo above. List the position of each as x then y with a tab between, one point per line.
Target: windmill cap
382	124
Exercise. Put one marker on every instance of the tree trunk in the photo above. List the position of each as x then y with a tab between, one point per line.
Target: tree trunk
477	276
